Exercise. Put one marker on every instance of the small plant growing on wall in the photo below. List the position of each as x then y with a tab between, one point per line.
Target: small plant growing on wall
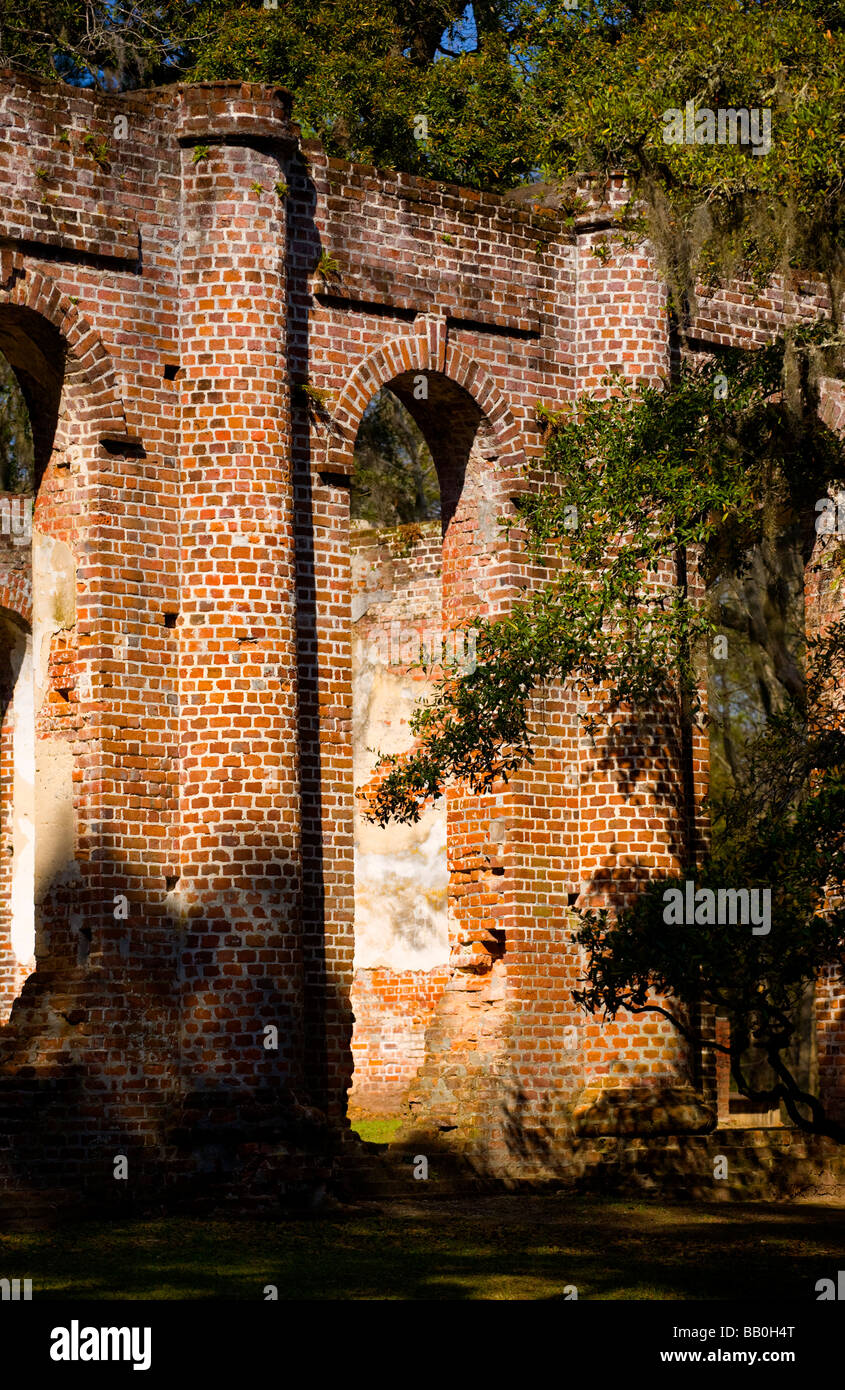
405	538
314	399
281	188
572	205
200	152
97	146
327	268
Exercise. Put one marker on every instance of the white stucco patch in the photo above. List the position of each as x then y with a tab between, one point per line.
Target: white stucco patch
401	874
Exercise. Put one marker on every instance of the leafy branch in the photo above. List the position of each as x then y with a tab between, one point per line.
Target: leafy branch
650	473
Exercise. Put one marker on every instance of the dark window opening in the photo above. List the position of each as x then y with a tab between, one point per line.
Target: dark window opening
17	465
395	480
755	665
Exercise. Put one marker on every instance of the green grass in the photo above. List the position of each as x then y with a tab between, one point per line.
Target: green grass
377	1131
486	1247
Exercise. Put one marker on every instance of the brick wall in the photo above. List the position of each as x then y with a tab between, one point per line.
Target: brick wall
401	879
161	304
393	1010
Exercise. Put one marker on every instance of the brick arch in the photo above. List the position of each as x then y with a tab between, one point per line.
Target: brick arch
16	598
426	350
105	409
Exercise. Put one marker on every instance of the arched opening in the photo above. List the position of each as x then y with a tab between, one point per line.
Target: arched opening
32	379
17	695
426	496
401	878
754	667
44	435
395	479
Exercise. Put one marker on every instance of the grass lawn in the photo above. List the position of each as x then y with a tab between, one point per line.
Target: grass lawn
377	1131
485	1247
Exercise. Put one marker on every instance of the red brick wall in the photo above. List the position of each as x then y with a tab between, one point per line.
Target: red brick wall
397	593
162	308
393	1010
239	864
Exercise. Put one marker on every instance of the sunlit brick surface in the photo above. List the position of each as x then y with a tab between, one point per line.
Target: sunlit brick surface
196	374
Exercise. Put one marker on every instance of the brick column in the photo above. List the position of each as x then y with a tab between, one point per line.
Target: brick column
238	887
630	775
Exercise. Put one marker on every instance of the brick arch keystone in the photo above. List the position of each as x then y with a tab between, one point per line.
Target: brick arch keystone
106	412
421	351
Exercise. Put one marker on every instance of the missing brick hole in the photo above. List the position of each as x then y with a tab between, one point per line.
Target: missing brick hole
496	947
572	898
124	448
83	946
498	870
170	881
171	371
63	691
170	619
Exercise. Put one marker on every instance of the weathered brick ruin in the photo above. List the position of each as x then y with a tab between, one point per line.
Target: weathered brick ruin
181	650
401	874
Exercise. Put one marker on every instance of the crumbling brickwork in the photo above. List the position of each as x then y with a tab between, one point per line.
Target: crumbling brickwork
394	1010
198	307
401	876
